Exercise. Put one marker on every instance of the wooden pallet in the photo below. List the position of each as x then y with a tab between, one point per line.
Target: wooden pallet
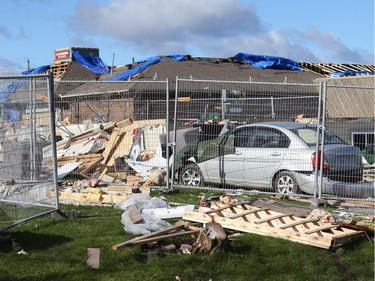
247	218
327	68
59	69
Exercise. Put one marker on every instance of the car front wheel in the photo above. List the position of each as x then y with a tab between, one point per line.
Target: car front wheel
285	183
191	175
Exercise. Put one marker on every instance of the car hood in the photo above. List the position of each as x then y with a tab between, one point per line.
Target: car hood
205	150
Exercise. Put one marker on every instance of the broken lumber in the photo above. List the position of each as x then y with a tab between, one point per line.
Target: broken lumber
155	235
250	219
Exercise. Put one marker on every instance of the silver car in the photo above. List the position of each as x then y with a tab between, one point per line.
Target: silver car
281	156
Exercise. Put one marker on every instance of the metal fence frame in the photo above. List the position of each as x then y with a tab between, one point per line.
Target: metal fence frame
153	99
32	195
321	120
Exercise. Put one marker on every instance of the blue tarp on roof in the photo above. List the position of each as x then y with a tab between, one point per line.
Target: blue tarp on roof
36	70
263	61
131	72
148	59
94	64
173	57
177	57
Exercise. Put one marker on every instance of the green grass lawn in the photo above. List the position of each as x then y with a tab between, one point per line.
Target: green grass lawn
57	250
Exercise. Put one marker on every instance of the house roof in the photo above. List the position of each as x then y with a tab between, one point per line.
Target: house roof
219	69
193	68
350	97
83	82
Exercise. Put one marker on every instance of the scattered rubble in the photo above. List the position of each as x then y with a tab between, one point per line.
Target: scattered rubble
207	225
118	154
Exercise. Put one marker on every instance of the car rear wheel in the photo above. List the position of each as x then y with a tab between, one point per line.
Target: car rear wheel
191	175
285	183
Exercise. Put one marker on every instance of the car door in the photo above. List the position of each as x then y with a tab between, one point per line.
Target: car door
212	157
264	156
232	164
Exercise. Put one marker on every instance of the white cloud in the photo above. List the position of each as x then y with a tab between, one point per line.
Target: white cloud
213	27
166	25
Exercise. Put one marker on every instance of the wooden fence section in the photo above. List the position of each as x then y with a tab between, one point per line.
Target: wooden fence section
246	218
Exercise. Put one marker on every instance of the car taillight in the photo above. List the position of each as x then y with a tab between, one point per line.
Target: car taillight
317	161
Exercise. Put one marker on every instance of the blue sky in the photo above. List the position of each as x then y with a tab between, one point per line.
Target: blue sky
326	31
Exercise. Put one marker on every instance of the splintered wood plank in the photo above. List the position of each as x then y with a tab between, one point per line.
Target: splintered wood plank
124	123
126	189
90	167
79	158
113	139
270	219
216	210
241	208
320	229
152	234
121	148
299	222
162	237
245	213
103	173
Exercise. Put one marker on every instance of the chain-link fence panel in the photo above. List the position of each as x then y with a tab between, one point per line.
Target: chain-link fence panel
28	172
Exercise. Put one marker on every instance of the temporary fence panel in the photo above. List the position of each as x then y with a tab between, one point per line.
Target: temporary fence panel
206	156
349	113
28	170
214	148
116	134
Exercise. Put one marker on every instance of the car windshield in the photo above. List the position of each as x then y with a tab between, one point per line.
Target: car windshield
308	135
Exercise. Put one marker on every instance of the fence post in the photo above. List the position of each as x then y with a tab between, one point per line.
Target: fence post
316	183
324	99
51	105
167	133
173	144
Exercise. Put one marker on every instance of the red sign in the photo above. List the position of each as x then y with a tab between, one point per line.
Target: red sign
62	55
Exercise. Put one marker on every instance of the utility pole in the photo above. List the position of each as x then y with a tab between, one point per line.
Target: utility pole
113	62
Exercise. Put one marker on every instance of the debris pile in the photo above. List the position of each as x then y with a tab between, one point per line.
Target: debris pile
207	226
145	216
113	160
